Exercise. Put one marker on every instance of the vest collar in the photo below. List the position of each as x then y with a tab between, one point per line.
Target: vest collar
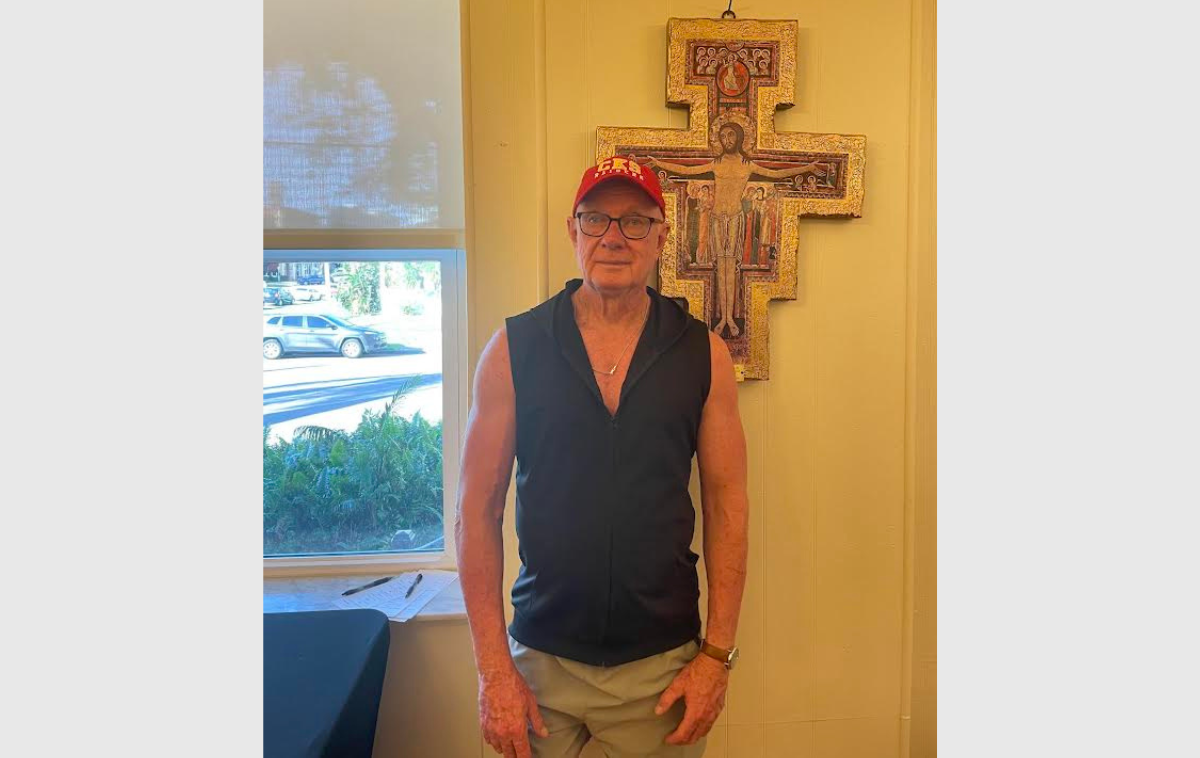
666	323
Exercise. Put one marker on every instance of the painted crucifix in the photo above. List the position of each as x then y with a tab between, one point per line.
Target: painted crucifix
734	186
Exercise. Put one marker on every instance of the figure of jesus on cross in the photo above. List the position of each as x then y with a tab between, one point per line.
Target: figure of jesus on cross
726	231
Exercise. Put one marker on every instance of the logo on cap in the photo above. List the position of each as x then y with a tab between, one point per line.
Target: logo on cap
626	168
618	165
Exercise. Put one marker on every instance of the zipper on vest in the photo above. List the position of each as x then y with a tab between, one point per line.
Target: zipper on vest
612	515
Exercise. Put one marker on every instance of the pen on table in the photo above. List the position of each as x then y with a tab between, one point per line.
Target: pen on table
368	585
414	585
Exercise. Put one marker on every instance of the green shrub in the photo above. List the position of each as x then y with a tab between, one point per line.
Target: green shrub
333	491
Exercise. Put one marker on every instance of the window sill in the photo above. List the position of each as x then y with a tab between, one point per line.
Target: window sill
318	594
354	565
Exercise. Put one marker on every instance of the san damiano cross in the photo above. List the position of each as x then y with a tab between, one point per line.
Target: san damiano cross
734	187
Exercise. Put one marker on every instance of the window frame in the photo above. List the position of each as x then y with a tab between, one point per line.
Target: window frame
448	248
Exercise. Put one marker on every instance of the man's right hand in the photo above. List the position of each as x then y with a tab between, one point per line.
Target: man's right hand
506	705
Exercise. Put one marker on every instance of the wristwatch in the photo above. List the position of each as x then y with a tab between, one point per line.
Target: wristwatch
727	657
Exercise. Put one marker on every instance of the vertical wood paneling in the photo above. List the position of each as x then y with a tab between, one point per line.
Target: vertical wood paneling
918	723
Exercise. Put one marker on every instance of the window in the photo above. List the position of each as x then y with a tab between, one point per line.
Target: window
355	397
363	322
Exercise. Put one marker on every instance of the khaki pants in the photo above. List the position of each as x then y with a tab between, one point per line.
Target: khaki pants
613	706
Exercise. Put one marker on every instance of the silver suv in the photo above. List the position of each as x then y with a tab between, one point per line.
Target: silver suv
319	334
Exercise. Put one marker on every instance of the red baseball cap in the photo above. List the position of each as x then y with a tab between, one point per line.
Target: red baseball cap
627	169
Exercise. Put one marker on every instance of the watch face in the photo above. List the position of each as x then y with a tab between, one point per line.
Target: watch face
733	657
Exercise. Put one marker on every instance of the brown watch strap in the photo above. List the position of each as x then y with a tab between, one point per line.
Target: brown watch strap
713	651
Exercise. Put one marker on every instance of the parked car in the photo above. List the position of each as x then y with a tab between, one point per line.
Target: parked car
311	279
306	294
277	296
319	334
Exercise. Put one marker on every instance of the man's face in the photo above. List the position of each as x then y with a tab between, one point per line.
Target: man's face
610	262
728	139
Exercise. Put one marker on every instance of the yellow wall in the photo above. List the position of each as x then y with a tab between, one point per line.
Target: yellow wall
838	630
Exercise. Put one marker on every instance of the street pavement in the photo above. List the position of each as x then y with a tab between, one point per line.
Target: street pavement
332	391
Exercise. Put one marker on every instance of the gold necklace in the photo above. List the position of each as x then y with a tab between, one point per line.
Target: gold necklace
613	370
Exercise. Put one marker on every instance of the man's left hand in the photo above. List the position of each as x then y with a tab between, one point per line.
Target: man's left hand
702	684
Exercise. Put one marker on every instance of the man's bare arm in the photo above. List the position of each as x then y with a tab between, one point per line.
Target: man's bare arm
721	451
487	463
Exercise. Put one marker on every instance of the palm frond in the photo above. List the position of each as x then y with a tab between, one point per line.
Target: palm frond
320	435
407	385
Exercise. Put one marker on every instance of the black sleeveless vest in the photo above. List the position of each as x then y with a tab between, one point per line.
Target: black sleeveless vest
604	519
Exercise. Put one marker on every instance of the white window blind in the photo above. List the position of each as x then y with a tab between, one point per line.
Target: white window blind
362	114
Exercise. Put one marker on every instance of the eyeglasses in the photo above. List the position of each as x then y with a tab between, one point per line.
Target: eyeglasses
595	224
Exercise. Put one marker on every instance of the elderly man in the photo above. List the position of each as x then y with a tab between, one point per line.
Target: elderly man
603	394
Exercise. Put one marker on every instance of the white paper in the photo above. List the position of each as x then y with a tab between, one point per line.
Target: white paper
432	583
389	596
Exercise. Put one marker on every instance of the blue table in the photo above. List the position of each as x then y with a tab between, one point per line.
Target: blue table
322	681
